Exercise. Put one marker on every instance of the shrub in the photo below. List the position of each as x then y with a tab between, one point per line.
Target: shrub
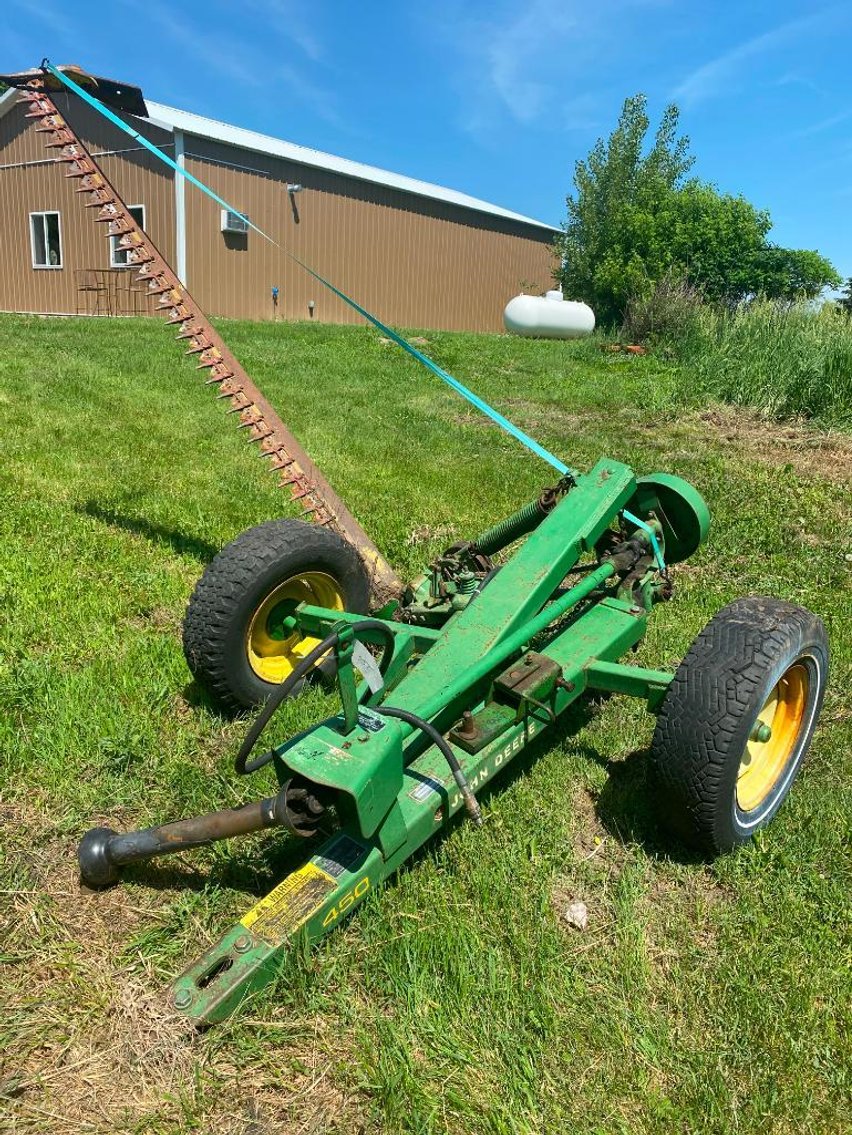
666	313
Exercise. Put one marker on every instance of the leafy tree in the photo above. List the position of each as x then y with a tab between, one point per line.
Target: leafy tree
715	240
845	299
608	246
635	218
790	273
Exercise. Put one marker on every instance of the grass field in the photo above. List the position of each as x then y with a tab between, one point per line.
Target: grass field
703	997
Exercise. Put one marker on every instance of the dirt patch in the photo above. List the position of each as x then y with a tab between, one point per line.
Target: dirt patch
530	416
88	1042
681	905
158	619
810	452
597	863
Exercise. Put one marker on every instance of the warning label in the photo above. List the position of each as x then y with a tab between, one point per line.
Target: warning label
290	905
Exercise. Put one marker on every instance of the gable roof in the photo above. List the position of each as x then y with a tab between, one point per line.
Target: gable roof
171	119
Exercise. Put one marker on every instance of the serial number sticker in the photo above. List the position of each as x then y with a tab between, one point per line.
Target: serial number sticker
370	721
290	904
425	788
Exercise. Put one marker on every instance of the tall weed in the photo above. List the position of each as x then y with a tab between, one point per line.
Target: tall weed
786	361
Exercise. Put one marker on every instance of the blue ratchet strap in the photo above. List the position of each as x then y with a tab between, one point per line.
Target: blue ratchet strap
474	399
155	150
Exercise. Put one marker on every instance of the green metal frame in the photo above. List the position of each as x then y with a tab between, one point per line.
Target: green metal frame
511	662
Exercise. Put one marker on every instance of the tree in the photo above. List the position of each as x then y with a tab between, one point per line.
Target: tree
605	248
845	300
713	240
635	218
790	273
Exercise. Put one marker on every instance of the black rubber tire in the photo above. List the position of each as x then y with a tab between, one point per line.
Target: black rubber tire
711	707
235	584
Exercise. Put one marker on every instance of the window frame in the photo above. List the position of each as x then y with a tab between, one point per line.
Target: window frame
44	214
113	241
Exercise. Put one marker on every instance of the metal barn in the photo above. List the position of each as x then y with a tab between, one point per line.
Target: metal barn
419	255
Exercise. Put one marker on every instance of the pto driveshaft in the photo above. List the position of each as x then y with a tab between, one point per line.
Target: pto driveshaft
102	851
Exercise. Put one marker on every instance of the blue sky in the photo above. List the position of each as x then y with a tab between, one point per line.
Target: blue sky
494	98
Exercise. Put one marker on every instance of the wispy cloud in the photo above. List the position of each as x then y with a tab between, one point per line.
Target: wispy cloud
823	125
45	13
261	63
513	63
723	73
514	52
322	102
286	18
233	63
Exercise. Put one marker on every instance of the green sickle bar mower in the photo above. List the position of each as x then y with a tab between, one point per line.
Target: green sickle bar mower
476	658
457	678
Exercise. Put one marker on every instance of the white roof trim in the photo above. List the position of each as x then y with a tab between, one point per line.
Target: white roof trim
7	100
169	118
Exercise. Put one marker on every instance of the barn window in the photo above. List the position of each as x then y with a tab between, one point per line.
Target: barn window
46	240
118	256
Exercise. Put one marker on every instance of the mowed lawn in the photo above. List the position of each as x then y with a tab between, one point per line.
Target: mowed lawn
702	997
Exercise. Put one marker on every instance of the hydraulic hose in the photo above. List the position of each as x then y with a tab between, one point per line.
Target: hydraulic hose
244	766
443	746
241	762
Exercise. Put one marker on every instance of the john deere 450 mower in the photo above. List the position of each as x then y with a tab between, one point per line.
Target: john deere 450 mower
451	677
445	686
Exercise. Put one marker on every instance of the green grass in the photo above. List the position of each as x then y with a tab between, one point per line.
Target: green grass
784	360
702	997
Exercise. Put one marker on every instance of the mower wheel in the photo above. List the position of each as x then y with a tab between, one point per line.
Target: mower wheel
234	636
737	720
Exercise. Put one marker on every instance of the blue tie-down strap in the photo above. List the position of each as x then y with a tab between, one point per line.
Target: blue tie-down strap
515	431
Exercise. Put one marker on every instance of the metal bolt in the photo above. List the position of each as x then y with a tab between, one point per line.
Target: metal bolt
563	685
182	999
468	725
242	943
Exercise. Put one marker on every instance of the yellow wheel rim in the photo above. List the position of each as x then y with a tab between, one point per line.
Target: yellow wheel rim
763	762
273	657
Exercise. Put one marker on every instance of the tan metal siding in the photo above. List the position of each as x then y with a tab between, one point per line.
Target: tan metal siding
413	261
37	185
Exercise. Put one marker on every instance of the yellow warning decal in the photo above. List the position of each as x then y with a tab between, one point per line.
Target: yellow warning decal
290	905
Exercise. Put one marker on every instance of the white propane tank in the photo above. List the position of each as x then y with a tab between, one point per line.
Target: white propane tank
548	317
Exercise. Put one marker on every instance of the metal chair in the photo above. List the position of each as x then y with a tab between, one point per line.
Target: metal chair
92	294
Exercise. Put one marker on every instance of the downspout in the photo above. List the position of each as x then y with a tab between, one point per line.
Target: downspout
180	210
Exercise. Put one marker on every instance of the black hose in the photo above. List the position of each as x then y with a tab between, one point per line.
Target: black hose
241	761
443	746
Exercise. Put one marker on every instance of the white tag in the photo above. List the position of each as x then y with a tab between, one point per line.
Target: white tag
364	661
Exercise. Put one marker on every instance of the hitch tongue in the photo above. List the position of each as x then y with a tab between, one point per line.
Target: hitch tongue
102	852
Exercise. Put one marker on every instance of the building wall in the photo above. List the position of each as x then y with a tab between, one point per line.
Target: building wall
30	182
414	261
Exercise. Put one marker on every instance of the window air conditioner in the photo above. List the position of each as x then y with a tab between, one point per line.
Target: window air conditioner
233	222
